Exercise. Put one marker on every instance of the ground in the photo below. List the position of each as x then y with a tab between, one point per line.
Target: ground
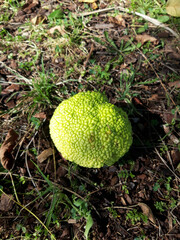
50	51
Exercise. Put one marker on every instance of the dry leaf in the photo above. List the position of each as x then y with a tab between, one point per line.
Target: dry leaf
173	8
60	29
11	88
10	104
128	199
175	84
94	6
40	115
13	64
87	1
65	233
6	202
123	201
38	19
29	5
7	160
175	155
61	172
170	221
114	180
142	176
44	155
117	20
154	97
147	212
142	38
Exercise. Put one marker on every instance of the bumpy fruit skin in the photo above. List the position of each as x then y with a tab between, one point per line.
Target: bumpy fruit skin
90	131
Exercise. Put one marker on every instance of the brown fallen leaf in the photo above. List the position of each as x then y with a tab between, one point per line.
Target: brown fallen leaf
40	115
13	64
175	155
6	202
147	212
5	116
175	84
114	180
154	97
38	19
61	172
123	201
10	89
128	199
44	155
60	29
10	104
6	157
65	233
29	5
118	20
94	6
142	176
142	38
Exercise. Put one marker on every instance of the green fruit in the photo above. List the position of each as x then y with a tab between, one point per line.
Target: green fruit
90	131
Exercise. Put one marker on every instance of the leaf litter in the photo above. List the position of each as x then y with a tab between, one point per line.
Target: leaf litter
147	182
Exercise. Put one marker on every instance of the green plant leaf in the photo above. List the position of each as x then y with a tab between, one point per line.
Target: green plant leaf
56	14
163	18
156	186
89	223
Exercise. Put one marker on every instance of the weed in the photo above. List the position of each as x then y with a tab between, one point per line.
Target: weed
155	9
56	14
112	211
79	207
21	227
161	206
12	6
125	84
134	216
79	210
42	92
125	47
125	175
100	75
169	202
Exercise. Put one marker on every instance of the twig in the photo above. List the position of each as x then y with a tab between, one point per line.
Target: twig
157	23
166	164
89	55
147	18
15	192
54	161
27	166
52	236
162	84
18	75
123	207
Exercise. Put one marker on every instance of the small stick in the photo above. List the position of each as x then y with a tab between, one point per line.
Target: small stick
147	18
166	164
89	55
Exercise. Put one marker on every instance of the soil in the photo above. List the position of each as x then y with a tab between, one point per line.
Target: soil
137	182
